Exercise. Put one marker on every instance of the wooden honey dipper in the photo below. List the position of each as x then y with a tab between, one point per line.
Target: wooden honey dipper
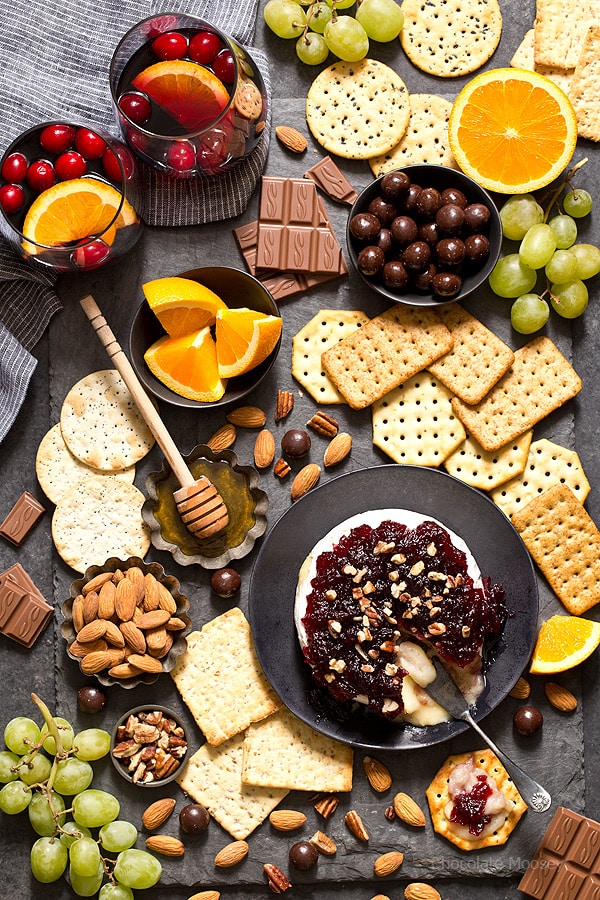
201	507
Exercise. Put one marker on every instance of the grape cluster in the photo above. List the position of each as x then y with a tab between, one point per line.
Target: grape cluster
39	767
319	30
548	244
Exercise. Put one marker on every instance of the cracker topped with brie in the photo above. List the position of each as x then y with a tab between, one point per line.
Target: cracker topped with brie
379	594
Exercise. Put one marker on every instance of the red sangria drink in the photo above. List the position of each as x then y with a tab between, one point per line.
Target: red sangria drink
188	99
69	197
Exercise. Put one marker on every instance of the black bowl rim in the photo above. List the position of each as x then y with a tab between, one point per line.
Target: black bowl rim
167	711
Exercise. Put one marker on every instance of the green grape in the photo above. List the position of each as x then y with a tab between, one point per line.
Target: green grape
72	776
95	808
285	18
562	266
118	836
311	49
66	735
35	770
137	869
510	277
320	15
86	886
8	760
71	831
346	38
381	19
84	856
20	735
15	797
115	892
588	260
565	229
42	817
92	743
577	203
570	299
538	246
518	214
48	859
529	313
342	4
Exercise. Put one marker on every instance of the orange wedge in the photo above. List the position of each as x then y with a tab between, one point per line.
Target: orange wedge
72	210
513	131
188	92
244	339
182	305
564	642
187	365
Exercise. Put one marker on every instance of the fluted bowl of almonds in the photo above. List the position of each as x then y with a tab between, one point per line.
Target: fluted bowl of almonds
125	622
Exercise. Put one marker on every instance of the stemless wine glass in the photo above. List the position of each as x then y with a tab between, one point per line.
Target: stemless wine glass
188	99
69	197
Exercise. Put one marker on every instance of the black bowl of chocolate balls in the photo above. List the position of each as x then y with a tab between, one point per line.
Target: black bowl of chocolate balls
424	235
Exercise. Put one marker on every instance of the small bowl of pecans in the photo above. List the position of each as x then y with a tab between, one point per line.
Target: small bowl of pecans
148	745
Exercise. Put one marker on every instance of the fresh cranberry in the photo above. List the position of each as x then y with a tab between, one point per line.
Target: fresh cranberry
224	66
11	198
110	164
14	167
57	138
136	107
214	149
136	140
89	144
181	156
171	45
40	175
90	255
70	164
204	47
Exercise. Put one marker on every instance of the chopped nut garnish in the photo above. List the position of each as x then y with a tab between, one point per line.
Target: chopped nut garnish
367	668
358	577
466	631
394	575
334	627
357	593
338	665
434	611
389	705
387	647
329	678
417	568
395	591
398	558
431	549
391	669
364	635
383	547
437	628
369	588
360	651
349	569
436	576
330	594
374	654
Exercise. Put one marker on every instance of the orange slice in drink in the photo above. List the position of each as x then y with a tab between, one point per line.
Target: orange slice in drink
513	131
73	210
564	642
181	305
187	365
244	339
188	92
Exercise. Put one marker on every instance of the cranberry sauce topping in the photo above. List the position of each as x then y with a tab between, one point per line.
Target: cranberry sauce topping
378	586
469	806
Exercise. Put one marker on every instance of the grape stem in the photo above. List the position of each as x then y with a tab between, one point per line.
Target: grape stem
561	187
309	15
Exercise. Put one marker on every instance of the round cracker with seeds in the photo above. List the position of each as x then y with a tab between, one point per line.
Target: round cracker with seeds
426	138
57	469
101	424
358	110
449	38
98	518
438	796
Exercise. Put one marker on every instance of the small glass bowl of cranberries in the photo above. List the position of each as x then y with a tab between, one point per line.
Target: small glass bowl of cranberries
424	235
69	197
188	99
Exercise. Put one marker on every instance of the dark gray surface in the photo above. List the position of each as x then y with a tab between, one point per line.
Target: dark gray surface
70	351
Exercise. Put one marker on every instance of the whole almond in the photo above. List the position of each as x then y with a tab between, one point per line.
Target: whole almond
408	810
521	690
106	600
134	636
356	826
165	845
561	698
223	438
377	774
247	417
151	598
155	619
157	813
124	670
90	606
126	596
306	479
418	890
92	631
323	843
286	819
80	650
380	897
113	634
156	641
145	662
95	583
77	612
95	662
388	863
166	600
175	624
206	895
231	854
264	449
337	449
291	138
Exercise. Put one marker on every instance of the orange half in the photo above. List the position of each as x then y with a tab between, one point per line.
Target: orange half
187	365
244	339
187	91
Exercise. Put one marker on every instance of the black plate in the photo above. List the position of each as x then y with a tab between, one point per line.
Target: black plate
497	547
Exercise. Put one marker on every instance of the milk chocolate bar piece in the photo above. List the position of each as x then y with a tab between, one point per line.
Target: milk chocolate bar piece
332	180
21	519
24	612
566	862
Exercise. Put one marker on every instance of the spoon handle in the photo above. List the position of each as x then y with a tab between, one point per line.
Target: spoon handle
534	795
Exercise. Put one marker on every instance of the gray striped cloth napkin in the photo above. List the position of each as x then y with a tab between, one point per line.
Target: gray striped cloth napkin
55	66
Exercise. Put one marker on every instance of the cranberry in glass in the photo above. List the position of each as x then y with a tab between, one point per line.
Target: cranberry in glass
40	175
136	107
214	149
193	818
204	47
70	164
14	167
89	144
224	66
110	164
12	197
90	255
57	138
170	45
181	156
90	699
